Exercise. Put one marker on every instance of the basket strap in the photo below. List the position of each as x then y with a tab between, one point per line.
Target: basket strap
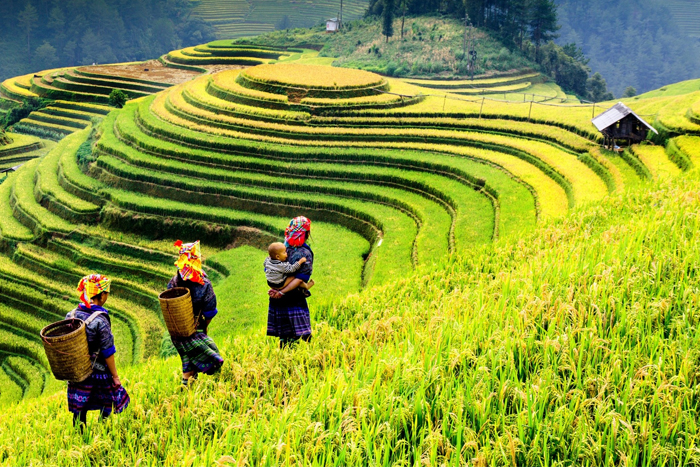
92	317
71	315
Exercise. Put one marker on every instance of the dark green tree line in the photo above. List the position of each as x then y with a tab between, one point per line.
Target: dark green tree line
41	34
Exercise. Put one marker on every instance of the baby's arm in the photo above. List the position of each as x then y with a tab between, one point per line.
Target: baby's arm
290	268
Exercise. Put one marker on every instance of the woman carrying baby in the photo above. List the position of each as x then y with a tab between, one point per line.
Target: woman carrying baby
288	314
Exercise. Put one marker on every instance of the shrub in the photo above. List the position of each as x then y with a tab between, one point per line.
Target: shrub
28	106
117	98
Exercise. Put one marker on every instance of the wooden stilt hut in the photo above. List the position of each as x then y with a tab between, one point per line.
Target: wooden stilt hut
621	123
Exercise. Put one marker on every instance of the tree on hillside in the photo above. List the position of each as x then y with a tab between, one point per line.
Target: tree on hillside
629	92
27	19
570	73
404	4
45	56
518	15
542	22
597	89
388	19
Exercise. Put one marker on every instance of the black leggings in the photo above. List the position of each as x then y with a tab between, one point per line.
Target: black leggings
291	341
80	419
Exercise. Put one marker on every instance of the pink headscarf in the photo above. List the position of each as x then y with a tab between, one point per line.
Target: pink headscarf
295	233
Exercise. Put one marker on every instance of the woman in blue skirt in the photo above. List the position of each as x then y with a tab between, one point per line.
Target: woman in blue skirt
288	316
198	352
103	389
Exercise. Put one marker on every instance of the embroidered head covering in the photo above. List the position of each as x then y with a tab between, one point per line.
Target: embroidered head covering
92	285
295	233
190	262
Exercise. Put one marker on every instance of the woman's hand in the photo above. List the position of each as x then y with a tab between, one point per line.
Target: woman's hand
273	293
116	381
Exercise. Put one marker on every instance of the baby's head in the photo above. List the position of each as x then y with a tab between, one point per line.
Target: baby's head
277	251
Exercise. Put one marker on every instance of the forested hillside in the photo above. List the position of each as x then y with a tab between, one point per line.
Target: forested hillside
636	43
42	34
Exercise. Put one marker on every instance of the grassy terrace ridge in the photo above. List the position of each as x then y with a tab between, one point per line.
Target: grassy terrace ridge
524	77
350	136
19	144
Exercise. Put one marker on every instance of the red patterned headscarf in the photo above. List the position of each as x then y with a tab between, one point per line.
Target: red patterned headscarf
92	285
189	263
295	233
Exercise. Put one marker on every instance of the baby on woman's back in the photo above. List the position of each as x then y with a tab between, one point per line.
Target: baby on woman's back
278	271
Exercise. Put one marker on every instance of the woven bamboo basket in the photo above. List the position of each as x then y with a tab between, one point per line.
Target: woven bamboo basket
176	305
66	346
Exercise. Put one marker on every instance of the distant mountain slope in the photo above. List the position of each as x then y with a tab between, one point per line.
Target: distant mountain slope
239	18
687	14
639	43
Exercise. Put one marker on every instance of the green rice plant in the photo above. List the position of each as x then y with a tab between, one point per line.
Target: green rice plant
25	205
550	198
515	215
44	117
507	348
394	255
151	276
84	72
690	146
545	157
475	83
673	115
433	220
11	391
47	176
33	375
66	83
183	57
10	227
71	114
82	107
254	52
30	325
656	160
546	133
574	118
677	156
19	144
74	181
42	87
38	128
9	87
108	82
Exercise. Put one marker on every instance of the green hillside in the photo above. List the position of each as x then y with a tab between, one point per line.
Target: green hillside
488	277
240	18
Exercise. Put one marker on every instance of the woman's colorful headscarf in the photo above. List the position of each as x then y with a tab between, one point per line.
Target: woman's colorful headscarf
92	285
190	262
295	233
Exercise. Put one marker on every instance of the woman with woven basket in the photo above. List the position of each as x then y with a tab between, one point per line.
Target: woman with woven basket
288	314
103	389
198	352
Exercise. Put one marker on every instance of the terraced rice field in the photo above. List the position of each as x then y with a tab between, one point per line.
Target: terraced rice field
398	178
229	157
240	18
686	14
